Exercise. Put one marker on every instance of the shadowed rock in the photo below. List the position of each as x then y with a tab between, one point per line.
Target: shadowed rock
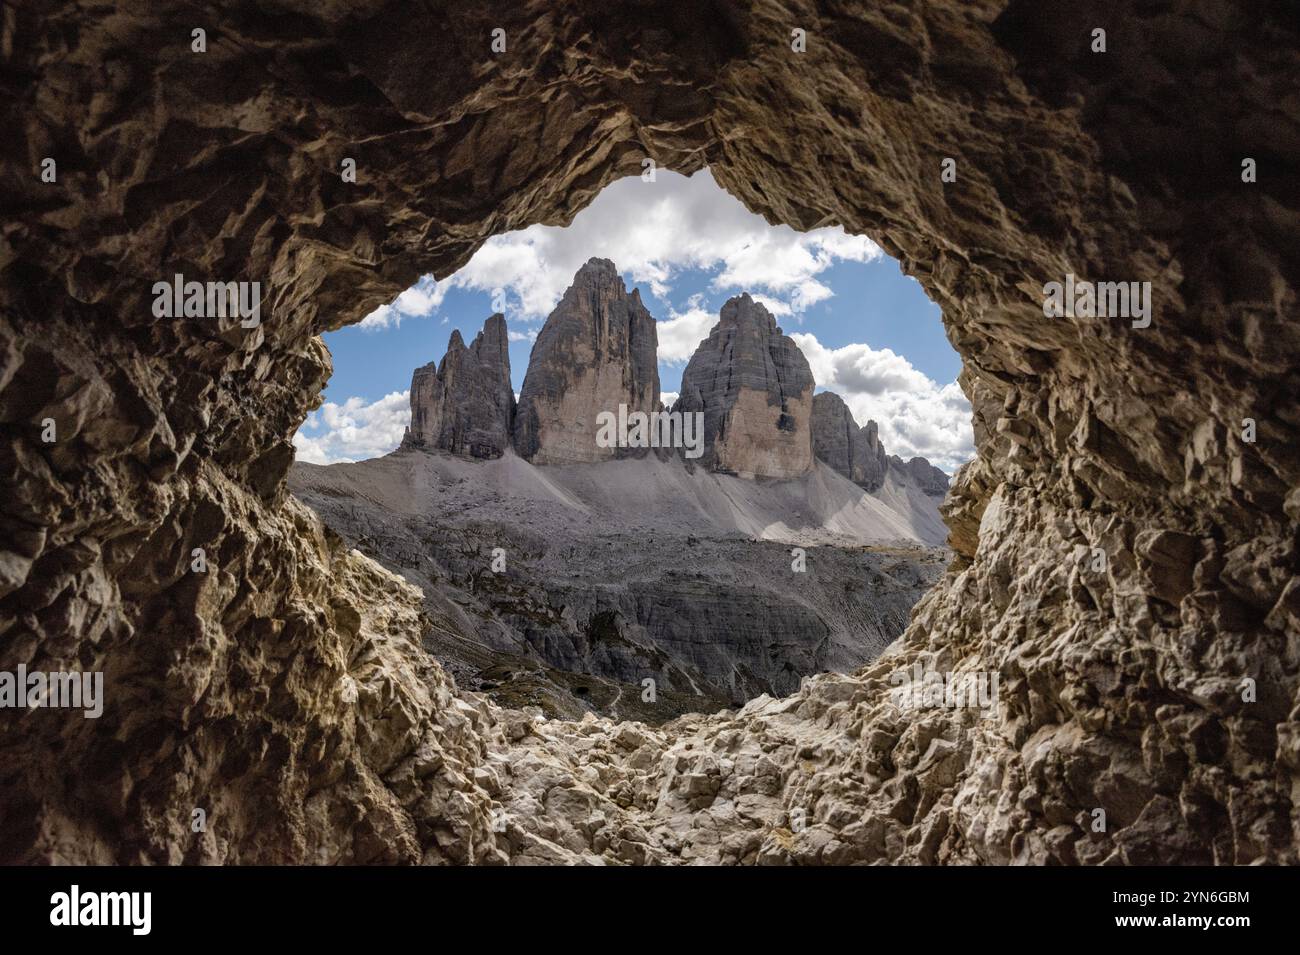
465	404
756	391
921	473
597	350
852	451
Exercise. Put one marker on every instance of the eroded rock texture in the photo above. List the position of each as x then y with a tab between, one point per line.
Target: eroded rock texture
836	438
465	404
284	690
922	473
597	351
755	389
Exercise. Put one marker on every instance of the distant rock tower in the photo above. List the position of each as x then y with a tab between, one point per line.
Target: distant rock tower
756	391
852	451
597	350
465	404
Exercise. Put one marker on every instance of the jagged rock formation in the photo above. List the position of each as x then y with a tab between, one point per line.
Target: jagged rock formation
858	454
875	463
466	404
755	388
284	689
852	451
923	474
597	350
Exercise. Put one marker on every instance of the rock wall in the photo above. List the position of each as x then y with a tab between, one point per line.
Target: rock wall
1127	554
598	350
755	389
466	404
854	452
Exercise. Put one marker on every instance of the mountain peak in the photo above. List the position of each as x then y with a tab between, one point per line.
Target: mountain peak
597	264
598	350
755	388
465	403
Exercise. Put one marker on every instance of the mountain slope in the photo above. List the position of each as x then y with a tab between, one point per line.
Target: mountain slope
612	573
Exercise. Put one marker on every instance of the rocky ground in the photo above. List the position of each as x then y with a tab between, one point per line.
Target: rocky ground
566	588
284	689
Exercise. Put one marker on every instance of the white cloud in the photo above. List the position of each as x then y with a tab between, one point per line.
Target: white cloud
653	231
528	336
916	415
354	430
669	398
422	298
680	335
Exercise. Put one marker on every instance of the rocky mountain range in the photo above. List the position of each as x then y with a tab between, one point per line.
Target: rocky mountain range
597	352
561	572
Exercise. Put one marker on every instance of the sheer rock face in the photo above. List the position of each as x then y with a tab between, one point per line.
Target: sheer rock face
756	391
466	404
855	452
597	350
283	688
874	461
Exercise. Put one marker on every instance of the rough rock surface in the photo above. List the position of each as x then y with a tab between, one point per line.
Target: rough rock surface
285	690
922	473
694	587
598	350
852	451
875	462
466	404
756	391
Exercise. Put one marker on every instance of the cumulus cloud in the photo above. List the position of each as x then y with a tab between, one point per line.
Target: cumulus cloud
679	335
916	415
354	430
654	231
423	298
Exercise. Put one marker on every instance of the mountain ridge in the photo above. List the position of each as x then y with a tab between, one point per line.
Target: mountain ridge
597	351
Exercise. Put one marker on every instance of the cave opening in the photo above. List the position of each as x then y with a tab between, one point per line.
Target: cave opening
1126	560
554	505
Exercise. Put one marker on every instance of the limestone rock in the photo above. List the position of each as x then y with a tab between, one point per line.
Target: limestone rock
225	689
922	473
755	389
874	460
597	350
466	404
852	451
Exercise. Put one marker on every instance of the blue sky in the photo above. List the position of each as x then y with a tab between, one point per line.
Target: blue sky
868	331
